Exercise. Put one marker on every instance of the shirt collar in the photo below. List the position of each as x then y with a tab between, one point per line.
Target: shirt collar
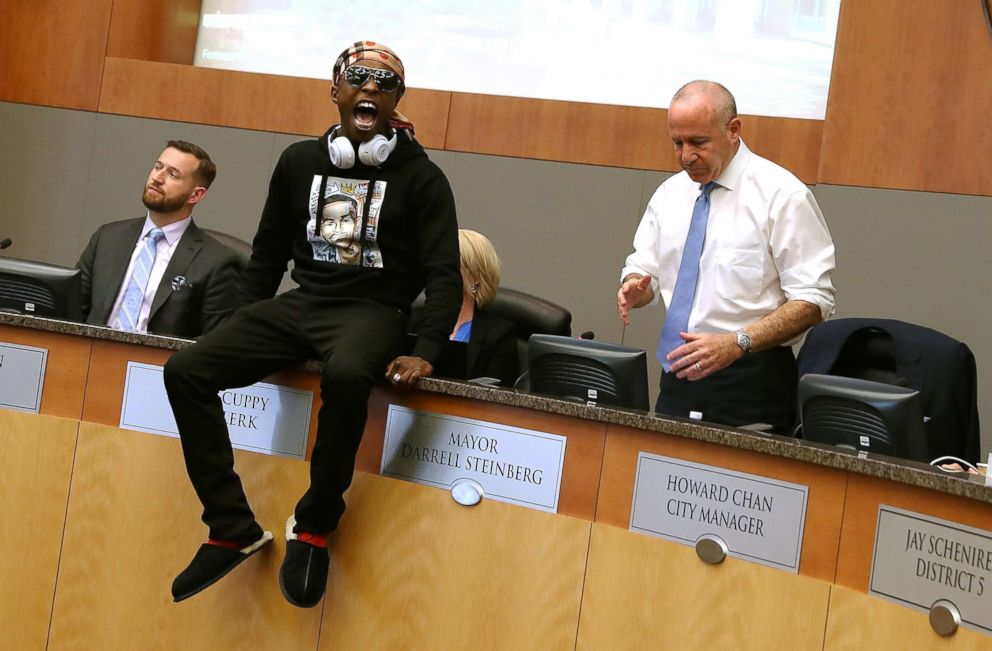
733	172
172	231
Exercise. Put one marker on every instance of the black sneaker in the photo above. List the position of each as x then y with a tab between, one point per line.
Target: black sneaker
212	561
303	575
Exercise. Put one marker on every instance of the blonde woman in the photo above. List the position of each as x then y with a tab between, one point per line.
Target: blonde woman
492	340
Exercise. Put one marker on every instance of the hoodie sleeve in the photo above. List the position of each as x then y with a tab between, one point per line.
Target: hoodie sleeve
437	242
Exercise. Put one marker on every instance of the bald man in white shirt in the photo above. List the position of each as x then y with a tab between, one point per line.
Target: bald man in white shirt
763	272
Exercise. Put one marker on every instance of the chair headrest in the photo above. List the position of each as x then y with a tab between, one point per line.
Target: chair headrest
241	248
530	313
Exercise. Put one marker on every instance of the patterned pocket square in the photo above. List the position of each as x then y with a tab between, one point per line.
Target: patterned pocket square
179	283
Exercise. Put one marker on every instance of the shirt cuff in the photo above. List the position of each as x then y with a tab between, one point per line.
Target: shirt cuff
826	306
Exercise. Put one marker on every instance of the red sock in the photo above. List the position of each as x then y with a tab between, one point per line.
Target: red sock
314	539
230	544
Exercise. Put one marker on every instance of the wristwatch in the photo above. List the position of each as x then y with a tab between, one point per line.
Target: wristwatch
744	341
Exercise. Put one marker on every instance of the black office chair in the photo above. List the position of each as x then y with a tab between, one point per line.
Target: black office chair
241	248
531	315
940	367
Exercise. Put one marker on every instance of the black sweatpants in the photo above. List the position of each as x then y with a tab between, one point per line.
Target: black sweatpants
757	388
355	340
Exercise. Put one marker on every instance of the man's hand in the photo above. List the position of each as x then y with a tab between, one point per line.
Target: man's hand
634	292
703	354
406	370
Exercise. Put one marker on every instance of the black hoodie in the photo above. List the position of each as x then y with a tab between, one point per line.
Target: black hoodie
389	248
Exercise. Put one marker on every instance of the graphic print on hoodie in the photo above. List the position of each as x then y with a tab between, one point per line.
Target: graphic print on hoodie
344	221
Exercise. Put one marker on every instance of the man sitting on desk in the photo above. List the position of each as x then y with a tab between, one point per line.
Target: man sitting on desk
389	231
739	251
160	273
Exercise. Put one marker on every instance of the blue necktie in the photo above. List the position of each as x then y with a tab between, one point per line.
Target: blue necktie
134	295
677	318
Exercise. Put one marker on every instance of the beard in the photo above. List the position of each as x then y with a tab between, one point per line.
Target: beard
163	204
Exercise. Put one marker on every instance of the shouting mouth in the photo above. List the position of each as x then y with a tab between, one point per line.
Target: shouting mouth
365	115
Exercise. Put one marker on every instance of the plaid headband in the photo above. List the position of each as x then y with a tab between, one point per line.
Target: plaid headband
369	50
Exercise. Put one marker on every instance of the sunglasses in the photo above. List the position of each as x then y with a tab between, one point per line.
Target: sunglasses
386	80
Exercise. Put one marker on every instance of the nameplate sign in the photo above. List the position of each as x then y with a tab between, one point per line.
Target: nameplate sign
512	464
919	559
262	417
22	376
760	519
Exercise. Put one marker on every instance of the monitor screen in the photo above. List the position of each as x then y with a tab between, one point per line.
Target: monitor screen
594	372
39	289
863	415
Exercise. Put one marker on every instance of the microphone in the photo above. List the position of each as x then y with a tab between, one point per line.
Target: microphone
5	243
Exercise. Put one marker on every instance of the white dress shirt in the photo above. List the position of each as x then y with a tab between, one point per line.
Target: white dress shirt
163	254
766	243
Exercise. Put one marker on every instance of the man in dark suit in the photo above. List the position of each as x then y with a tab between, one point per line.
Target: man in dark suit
160	273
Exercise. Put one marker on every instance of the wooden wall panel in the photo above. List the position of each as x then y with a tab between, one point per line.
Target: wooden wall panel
36	458
53	51
646	593
594	134
794	144
108	370
245	100
146	47
154	31
616	136
206	96
65	369
910	97
563	131
824	508
133	523
859	621
905	110
411	569
864	494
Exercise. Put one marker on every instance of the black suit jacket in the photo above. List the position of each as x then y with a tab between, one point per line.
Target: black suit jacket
492	348
198	290
941	368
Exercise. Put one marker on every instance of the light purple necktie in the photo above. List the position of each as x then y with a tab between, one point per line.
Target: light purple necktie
677	317
134	295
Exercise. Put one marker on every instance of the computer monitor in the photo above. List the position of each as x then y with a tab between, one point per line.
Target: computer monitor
39	289
594	372
863	415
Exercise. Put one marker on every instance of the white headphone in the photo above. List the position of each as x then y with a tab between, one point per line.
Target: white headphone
373	152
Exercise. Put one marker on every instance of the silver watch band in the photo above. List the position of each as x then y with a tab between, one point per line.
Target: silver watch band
743	340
